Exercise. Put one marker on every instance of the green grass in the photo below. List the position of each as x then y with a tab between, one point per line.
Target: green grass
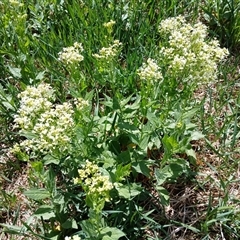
169	146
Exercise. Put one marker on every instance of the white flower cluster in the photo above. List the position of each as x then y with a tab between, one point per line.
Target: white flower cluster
81	104
70	55
75	237
188	51
53	130
150	71
51	126
33	102
15	3
109	52
93	182
109	24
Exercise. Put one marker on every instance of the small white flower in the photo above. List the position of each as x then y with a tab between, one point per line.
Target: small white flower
76	237
150	71
109	24
70	55
109	52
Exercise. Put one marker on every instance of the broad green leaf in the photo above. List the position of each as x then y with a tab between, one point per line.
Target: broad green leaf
106	237
135	189
49	159
155	139
141	167
124	192
122	172
164	195
116	104
125	101
135	105
37	194
54	238
111	233
144	142
16	72
37	166
162	175
177	170
8	105
28	135
178	167
124	157
196	135
88	228
170	145
127	126
191	153
151	117
189	114
128	191
45	212
40	75
70	224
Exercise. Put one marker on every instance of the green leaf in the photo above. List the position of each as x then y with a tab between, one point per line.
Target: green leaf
116	104
28	135
178	167
151	117
40	75
12	228
8	105
127	126
70	224
164	195
128	191
144	142
88	228
49	159
37	166
45	212
16	72
193	229
123	191
122	172
191	153
37	194
125	101
162	175
189	114
170	145
196	135
133	106
141	167
111	233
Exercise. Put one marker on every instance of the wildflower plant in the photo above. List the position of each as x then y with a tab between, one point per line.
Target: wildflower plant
48	127
150	71
109	26
71	55
188	56
136	127
33	102
96	186
108	53
106	62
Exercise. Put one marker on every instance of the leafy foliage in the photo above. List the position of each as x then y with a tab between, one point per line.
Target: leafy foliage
103	113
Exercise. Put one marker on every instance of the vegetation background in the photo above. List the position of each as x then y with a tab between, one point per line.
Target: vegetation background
107	135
